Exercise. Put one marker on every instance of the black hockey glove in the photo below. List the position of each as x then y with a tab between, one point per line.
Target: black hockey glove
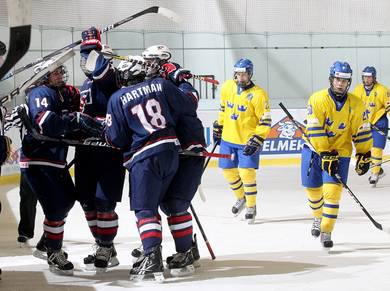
86	124
362	163
5	148
217	132
254	144
330	162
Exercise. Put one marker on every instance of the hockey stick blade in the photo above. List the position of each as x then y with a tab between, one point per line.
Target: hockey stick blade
19	13
169	14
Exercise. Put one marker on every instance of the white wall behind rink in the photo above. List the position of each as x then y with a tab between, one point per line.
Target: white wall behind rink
282	143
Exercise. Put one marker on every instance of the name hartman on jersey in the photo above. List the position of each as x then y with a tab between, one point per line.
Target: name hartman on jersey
140	92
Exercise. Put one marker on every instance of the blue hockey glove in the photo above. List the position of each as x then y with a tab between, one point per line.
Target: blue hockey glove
217	132
175	73
91	40
253	145
330	162
362	163
86	124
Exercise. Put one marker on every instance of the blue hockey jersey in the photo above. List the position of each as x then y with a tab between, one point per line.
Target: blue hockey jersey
141	119
49	110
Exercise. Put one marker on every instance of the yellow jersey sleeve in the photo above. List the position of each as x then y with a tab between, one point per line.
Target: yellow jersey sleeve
361	128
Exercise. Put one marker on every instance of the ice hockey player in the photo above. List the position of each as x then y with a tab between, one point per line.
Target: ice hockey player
43	163
335	120
243	124
141	119
99	191
376	97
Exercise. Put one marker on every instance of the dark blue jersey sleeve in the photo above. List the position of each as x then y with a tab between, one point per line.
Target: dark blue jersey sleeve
117	132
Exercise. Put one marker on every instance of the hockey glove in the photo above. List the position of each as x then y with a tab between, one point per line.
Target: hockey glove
5	148
217	132
330	162
86	124
362	163
91	40
175	73
253	145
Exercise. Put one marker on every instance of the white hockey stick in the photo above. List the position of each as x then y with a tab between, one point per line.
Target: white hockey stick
34	78
154	9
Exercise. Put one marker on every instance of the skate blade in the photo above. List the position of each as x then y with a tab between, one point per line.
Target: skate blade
157	277
196	264
22	245
57	271
89	268
181	272
113	262
40	255
250	221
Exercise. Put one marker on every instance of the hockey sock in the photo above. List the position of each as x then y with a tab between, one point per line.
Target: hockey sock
91	217
332	195
248	177
316	201
54	232
107	227
233	177
181	228
150	230
376	157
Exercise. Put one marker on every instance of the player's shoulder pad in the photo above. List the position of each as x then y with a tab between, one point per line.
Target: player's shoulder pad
42	91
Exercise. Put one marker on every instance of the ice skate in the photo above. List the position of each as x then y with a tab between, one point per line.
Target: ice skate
326	241
22	241
316	227
150	268
195	253
40	251
238	206
59	264
250	214
182	264
100	266
374	178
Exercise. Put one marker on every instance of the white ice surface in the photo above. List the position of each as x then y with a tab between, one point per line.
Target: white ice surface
276	253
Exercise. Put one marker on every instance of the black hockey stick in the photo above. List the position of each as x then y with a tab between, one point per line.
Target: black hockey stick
377	224
19	13
202	232
154	9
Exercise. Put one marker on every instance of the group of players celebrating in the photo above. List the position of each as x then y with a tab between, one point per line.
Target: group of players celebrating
146	111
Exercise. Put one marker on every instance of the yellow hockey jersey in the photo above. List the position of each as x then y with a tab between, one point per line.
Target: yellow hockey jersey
377	103
335	127
243	114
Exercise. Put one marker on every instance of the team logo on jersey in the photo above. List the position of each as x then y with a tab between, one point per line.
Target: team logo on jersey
234	116
284	138
241	108
328	121
331	134
371	104
249	96
365	114
342	125
230	105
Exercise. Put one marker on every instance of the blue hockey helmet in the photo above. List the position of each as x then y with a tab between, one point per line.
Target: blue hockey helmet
341	70
244	65
369	72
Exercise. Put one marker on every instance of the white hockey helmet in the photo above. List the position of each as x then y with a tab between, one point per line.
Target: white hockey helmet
160	52
45	78
131	72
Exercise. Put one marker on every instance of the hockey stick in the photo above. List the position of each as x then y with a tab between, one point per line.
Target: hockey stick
377	224
200	189
154	9
19	14
208	154
91	61
202	232
34	78
379	164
